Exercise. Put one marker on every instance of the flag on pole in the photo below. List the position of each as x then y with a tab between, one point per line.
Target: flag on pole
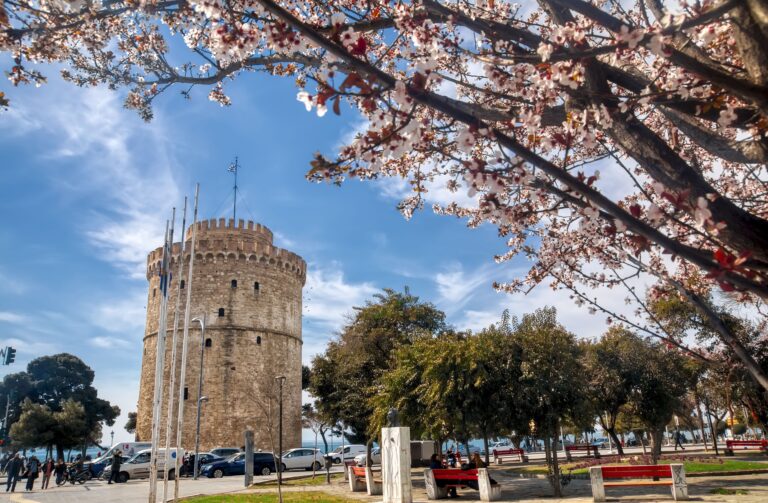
232	167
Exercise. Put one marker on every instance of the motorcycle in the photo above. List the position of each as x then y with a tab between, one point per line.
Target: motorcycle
73	475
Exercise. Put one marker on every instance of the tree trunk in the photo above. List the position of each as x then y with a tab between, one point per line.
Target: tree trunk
59	452
656	438
712	430
485	446
612	433
552	465
642	442
325	442
368	449
701	422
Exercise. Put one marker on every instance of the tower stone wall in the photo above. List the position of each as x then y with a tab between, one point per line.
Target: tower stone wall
256	337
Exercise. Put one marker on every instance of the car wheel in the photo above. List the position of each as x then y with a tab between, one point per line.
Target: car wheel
171	474
337	460
88	475
218	473
317	466
123	477
283	468
265	470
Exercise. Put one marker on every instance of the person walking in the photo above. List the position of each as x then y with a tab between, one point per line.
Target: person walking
117	459
12	470
60	470
47	472
33	470
678	435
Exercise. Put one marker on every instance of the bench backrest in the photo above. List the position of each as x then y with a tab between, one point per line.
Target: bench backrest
579	447
746	443
447	474
636	471
509	451
359	471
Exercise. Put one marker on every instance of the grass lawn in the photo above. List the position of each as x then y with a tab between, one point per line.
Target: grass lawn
290	497
308	481
697	466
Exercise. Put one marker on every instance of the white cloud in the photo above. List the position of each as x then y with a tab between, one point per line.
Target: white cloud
122	166
329	297
108	342
455	287
9	317
437	191
122	314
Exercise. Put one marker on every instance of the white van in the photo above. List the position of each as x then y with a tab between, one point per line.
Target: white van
138	466
350	451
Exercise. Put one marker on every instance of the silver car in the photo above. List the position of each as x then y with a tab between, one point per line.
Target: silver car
360	459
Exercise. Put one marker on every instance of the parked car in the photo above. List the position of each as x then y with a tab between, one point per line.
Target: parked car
139	465
601	442
263	464
361	459
209	457
302	459
128	449
225	452
350	451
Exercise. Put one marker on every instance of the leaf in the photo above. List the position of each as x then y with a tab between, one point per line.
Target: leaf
336	108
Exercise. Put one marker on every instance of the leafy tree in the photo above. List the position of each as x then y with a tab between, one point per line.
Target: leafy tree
312	420
344	377
664	379
130	425
35	427
678	111
62	383
306	376
552	379
612	366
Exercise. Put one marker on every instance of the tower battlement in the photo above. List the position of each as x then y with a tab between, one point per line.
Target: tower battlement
221	240
249	292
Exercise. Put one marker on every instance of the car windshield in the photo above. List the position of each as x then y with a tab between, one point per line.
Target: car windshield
234	458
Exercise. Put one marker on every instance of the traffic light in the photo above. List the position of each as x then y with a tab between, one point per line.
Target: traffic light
10	355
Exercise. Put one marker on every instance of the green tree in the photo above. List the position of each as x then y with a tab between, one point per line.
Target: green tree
344	378
58	381
552	380
130	425
35	427
665	378
612	372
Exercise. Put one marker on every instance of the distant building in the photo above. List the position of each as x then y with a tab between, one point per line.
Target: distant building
251	294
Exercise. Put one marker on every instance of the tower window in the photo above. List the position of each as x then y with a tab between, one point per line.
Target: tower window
154	293
208	342
258	340
234	283
186	393
181	285
221	312
256	286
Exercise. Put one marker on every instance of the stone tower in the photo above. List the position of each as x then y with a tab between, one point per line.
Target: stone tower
250	294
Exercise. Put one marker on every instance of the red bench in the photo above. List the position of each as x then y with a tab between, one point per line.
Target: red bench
361	479
761	445
498	453
581	447
675	474
460	479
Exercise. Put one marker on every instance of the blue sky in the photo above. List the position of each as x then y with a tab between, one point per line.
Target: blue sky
86	188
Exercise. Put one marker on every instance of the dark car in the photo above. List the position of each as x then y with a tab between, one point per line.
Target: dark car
207	457
225	452
263	464
97	467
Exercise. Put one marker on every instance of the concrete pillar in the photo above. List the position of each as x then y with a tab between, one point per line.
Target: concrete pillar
596	479
679	485
396	464
488	491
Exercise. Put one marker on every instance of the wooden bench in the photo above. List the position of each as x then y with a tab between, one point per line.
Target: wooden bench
499	453
761	445
458	479
675	473
347	464
581	447
362	479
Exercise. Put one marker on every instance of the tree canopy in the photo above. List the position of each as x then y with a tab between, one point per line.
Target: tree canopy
55	403
343	377
606	141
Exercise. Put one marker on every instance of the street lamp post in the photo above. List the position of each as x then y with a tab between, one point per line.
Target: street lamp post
200	397
280	380
112	438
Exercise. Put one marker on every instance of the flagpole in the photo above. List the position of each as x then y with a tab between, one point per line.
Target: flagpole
233	169
172	386
160	358
184	344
